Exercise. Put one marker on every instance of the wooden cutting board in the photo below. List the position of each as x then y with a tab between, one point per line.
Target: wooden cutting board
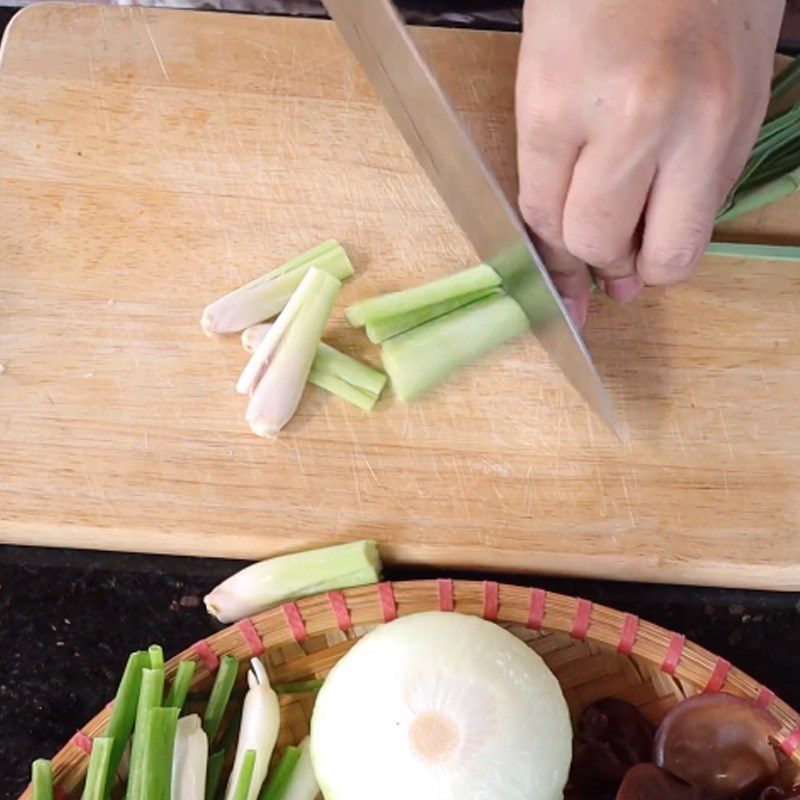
151	160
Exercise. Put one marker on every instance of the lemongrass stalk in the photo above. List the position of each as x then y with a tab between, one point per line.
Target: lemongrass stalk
242	789
467	281
220	695
158	742
181	682
275	787
298	687
258	731
279	367
214	773
763	195
97	776
266	296
754	252
418	359
379	330
277	580
151	693
42	779
302	783
189	760
123	711
334	371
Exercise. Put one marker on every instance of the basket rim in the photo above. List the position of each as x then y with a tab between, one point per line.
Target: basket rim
679	658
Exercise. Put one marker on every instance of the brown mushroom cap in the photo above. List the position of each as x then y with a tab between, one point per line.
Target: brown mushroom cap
649	782
719	744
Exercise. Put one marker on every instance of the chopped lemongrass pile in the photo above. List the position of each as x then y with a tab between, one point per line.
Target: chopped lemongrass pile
332	370
287	354
266	296
429	331
279	367
277	580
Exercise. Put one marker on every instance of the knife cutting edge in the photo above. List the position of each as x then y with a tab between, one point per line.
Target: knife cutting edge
414	99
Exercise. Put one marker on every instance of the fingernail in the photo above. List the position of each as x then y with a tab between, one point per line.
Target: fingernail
576	313
624	289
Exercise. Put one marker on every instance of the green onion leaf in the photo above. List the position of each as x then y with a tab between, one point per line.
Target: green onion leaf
276	785
42	779
220	694
181	682
97	774
242	787
213	773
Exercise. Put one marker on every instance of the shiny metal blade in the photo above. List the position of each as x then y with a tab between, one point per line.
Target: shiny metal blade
402	80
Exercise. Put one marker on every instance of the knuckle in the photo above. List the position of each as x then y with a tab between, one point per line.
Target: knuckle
545	222
597	251
670	263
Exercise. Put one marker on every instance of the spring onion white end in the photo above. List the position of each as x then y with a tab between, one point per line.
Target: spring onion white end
302	783
266	296
441	706
279	367
258	730
277	580
189	760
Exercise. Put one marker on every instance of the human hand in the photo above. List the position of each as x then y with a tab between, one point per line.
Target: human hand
634	120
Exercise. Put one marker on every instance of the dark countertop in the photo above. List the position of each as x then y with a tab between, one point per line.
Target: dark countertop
68	619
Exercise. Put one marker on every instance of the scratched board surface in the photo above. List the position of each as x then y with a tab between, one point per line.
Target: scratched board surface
151	160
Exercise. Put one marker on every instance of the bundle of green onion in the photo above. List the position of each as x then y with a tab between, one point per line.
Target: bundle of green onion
773	170
184	757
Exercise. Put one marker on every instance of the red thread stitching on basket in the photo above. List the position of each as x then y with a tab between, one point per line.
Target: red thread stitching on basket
536	608
583	618
765	698
340	611
791	742
446	599
295	621
109	705
673	654
206	655
250	635
82	742
491	600
388	601
627	636
718	676
59	793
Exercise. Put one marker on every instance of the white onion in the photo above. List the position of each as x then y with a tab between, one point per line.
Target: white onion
441	706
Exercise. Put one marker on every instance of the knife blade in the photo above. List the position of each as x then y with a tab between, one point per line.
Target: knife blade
407	87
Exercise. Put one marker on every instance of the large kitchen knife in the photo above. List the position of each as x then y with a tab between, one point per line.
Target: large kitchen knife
380	41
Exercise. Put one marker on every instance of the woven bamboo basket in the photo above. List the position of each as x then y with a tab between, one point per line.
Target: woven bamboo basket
594	651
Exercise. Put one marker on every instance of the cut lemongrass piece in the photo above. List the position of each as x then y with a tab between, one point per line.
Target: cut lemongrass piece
266	296
334	371
97	777
189	760
279	367
42	779
379	330
467	281
753	252
278	580
418	359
